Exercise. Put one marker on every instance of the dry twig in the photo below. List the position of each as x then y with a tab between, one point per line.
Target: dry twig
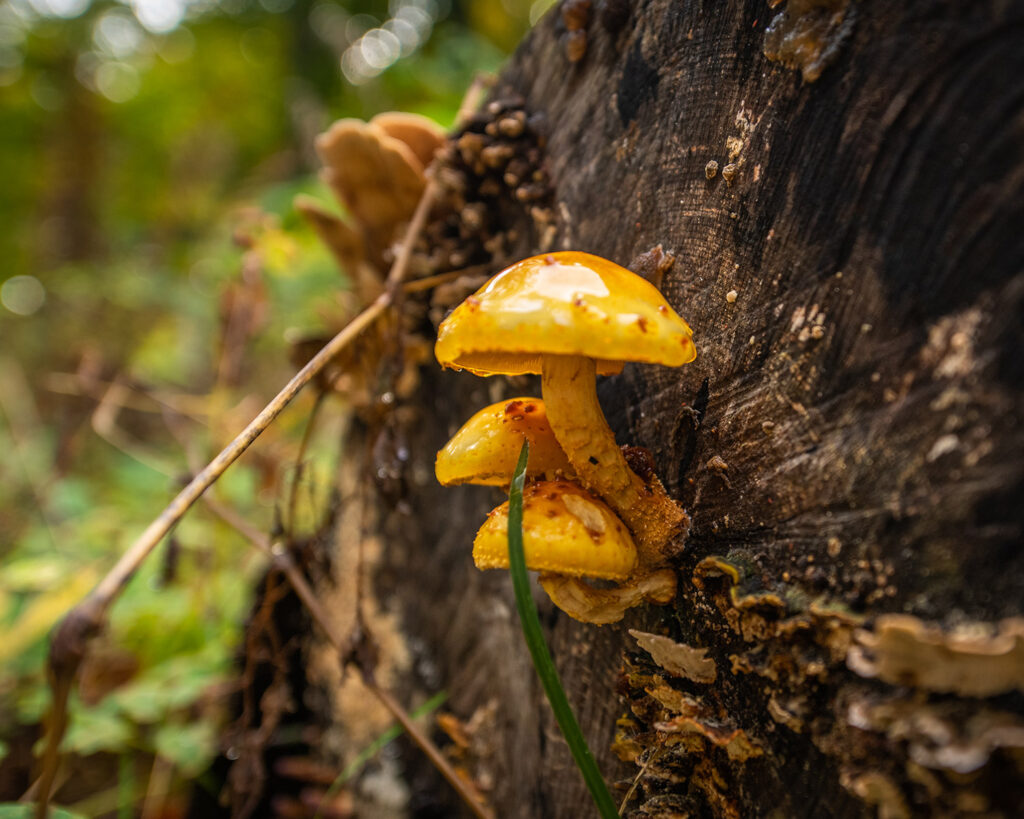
69	642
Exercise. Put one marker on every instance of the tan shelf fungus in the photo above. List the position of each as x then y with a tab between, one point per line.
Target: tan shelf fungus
570	316
378	178
486	448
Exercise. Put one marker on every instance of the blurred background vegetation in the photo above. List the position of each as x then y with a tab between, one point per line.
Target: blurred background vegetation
149	154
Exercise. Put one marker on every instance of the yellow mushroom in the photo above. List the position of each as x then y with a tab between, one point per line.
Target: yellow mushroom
486	448
570	316
568	535
566	531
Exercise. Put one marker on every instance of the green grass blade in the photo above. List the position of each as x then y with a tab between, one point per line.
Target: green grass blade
539	649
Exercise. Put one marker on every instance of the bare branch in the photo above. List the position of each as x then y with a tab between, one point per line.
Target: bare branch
69	642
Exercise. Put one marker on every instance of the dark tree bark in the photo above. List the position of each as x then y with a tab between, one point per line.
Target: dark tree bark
848	441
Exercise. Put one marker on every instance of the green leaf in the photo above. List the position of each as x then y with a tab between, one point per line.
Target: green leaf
190	747
539	649
101	728
35	573
172	685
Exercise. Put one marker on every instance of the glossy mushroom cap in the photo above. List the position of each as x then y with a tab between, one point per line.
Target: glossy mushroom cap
565	303
486	449
566	531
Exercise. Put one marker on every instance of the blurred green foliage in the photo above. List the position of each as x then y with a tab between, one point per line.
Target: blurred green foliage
136	140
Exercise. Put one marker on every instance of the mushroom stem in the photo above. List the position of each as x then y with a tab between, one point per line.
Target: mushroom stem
570	394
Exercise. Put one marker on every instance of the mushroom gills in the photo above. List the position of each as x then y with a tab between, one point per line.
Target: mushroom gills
589	604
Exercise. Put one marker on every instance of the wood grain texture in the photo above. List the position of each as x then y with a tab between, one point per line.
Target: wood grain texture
864	391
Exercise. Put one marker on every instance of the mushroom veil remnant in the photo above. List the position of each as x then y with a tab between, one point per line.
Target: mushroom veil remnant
570	316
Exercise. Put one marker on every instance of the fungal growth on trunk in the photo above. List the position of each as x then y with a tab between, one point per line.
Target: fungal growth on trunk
571	316
568	316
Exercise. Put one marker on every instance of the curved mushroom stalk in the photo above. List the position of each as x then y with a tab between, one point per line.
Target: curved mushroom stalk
570	396
583	602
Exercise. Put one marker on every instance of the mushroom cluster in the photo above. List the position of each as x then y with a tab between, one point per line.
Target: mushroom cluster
568	317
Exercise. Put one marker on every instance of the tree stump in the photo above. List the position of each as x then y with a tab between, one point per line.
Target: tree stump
848	441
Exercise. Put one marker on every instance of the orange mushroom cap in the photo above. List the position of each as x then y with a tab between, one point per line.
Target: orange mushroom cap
486	448
566	303
566	531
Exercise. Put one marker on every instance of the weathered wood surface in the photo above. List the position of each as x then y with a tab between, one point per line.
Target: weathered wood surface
863	392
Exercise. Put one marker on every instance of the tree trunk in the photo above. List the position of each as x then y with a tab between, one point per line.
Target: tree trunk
847	442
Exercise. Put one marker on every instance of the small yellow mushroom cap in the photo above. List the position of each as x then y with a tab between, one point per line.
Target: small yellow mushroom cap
566	303
486	449
566	530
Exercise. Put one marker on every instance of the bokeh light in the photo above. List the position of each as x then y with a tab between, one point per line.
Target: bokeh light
22	295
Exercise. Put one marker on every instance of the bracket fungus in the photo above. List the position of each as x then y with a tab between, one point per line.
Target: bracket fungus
421	135
346	244
378	171
378	177
486	448
570	316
